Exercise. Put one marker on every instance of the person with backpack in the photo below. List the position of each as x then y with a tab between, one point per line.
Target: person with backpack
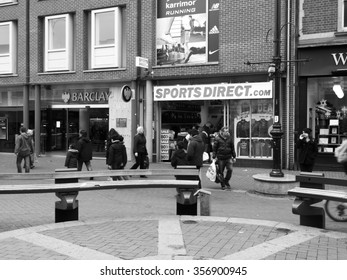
23	149
117	155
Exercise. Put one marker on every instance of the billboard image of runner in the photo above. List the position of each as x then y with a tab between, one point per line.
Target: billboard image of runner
184	29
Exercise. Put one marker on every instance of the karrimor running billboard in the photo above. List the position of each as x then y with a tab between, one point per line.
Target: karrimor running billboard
187	32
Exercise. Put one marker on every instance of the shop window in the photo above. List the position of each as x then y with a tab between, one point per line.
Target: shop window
342	16
106	38
327	111
252	122
59	43
8	47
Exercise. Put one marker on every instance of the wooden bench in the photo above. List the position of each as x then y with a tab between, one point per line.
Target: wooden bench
311	191
66	186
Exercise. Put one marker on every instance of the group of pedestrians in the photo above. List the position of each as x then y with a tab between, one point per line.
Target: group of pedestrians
222	149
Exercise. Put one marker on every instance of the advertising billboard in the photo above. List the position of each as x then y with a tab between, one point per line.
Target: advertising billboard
187	31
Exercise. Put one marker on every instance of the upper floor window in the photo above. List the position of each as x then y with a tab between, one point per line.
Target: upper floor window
8	47
58	43
7	1
106	38
342	18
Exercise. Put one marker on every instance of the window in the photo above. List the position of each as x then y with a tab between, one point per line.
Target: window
106	38
7	1
342	18
8	48
58	43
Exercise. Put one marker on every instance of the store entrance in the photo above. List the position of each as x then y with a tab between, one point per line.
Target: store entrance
60	127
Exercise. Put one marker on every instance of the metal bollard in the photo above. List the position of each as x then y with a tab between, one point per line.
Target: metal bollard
186	202
67	208
204	197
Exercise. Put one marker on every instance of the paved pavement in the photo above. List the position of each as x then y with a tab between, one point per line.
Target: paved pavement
141	224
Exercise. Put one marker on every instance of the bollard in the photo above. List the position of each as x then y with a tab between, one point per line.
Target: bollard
204	197
67	208
186	201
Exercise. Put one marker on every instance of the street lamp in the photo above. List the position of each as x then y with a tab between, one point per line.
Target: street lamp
275	66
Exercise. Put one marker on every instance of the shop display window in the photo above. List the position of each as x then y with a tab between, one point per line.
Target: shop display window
327	112
252	124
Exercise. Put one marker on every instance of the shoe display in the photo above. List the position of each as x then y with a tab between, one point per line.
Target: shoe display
143	176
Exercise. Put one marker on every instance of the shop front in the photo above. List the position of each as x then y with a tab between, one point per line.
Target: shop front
322	103
246	108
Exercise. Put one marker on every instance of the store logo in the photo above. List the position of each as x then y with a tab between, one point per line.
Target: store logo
214	30
66	97
340	57
214	7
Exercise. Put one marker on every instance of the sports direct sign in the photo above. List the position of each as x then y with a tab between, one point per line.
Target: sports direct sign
212	92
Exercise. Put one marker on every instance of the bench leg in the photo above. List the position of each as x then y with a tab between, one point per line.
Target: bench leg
311	216
67	208
187	203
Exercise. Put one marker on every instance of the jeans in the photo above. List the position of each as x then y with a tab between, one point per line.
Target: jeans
228	165
26	163
87	163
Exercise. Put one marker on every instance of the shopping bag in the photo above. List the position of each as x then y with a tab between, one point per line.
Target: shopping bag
146	162
219	175
211	171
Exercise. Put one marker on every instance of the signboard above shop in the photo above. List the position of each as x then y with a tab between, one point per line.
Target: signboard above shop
213	92
323	60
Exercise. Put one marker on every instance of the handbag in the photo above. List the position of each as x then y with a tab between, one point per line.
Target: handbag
146	162
211	172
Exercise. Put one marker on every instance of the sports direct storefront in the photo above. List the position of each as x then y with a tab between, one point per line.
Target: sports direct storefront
247	108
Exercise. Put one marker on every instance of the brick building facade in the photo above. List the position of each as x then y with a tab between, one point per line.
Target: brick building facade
181	56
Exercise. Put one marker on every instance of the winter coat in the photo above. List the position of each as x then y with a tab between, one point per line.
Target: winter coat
23	145
140	144
179	157
117	155
308	151
195	151
71	158
111	133
223	148
85	149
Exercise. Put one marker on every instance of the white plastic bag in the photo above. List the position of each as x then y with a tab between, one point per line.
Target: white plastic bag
211	171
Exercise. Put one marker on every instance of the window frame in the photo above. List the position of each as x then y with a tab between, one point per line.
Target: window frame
116	47
12	52
342	16
66	51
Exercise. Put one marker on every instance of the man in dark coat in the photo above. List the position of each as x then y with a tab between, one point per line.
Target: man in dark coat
117	155
23	148
224	150
195	150
85	151
308	150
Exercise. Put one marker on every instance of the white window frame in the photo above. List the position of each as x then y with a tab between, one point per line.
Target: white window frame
59	59
7	1
107	55
8	61
341	16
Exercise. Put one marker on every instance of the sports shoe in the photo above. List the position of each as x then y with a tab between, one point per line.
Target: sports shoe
228	186
223	187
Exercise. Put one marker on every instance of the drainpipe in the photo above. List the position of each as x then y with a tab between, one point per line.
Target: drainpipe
288	82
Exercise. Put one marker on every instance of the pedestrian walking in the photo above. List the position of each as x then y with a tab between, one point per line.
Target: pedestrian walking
110	134
23	149
308	150
179	157
117	155
139	149
71	160
195	149
224	151
30	133
85	151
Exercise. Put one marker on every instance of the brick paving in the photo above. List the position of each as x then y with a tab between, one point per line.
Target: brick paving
141	225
